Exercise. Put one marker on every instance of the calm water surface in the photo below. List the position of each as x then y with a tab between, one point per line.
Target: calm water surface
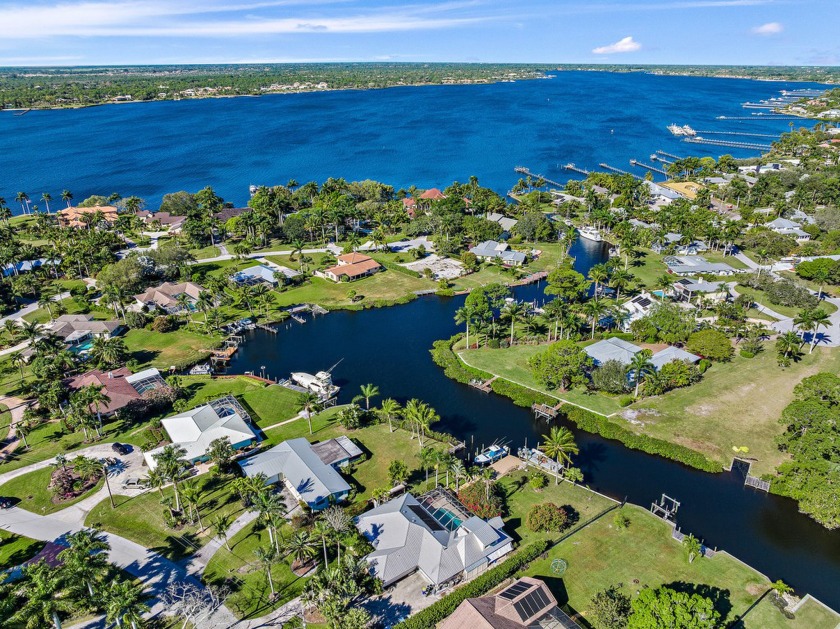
427	136
390	347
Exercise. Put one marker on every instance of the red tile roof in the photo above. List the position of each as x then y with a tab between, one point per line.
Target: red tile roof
433	194
116	387
356	269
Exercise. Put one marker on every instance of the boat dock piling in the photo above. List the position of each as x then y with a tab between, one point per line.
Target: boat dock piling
267	328
728	143
575	169
638	164
544	411
617	170
522	170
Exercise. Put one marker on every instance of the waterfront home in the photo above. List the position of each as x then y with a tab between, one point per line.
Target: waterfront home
788	227
122	386
227	213
74	216
505	222
492	250
527	603
25	266
623	351
196	429
696	265
686	189
260	274
434	535
688	288
351	266
636	308
410	207
308	473
661	193
164	219
78	329
170	297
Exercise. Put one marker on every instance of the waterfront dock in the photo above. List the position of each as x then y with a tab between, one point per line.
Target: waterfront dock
638	164
571	167
664	154
530	279
522	170
729	143
741	133
616	170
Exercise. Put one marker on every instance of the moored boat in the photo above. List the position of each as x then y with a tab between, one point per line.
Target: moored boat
492	454
590	233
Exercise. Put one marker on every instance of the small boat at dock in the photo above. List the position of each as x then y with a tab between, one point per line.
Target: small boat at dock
492	454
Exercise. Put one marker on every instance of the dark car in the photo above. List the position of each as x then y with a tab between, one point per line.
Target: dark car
6	503
121	448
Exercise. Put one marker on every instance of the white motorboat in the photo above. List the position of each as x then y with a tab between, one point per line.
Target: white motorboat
590	233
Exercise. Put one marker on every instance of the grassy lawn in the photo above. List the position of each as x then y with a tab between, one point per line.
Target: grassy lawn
161	350
760	297
512	364
488	274
810	616
385	285
736	404
238	567
42	315
140	519
267	405
601	555
34	494
649	267
521	497
206	252
15	549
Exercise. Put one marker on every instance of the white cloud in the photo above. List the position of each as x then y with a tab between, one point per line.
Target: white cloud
771	28
628	44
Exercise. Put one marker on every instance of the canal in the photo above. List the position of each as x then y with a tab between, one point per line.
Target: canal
390	348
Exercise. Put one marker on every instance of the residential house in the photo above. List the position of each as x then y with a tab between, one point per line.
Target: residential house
492	250
623	351
164	219
308	472
196	429
260	274
351	266
636	308
506	223
687	288
696	265
410	206
24	266
527	603
120	385
77	329
73	216
167	296
788	228
434	535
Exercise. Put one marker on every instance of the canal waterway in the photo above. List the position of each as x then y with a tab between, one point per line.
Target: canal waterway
423	136
390	348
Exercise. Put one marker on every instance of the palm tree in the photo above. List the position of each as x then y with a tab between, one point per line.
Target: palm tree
268	557
84	559
811	320
780	588
156	480
620	280
44	596
692	546
19	360
322	532
514	311
640	366
420	415
788	343
309	403
466	315
428	457
221	525
559	444
23	199
123	602
66	196
46	197
301	548
191	492
594	309
171	462
390	408
459	471
269	506
599	274
369	391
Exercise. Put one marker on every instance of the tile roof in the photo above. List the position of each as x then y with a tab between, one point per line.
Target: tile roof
115	383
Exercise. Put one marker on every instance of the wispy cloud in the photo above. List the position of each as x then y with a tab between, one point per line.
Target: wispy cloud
771	28
627	44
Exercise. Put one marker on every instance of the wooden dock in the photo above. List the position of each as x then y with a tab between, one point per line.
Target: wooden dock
267	328
638	164
729	144
664	154
544	411
581	171
522	170
616	170
483	385
534	277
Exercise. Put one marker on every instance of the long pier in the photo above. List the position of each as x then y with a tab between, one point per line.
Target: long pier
575	169
758	116
751	135
728	143
617	170
522	170
638	164
668	155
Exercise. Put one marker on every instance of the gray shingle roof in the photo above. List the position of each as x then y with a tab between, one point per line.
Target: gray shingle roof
612	349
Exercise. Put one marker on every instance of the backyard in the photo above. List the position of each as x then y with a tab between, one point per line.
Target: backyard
180	348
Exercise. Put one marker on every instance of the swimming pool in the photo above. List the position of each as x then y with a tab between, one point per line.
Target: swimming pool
447	518
79	349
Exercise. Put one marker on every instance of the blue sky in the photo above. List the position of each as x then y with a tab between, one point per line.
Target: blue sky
79	32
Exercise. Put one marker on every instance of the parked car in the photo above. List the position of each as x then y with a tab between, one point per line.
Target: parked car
133	483
121	448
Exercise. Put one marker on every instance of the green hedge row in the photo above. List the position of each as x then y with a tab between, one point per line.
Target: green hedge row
521	396
393	266
590	422
479	586
453	367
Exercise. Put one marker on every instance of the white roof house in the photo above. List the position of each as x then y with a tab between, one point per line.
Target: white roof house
788	228
196	429
692	265
256	274
506	223
302	469
490	249
637	308
439	542
623	351
670	354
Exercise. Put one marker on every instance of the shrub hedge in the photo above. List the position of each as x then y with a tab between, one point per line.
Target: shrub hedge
479	586
392	266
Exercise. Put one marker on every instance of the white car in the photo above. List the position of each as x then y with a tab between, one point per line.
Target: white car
134	483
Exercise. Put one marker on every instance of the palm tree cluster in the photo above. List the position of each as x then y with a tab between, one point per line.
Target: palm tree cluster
83	583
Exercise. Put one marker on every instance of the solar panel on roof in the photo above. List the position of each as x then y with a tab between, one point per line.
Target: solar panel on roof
531	604
514	590
426	518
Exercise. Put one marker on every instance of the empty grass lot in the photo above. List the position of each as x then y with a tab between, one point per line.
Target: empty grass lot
385	285
35	495
161	350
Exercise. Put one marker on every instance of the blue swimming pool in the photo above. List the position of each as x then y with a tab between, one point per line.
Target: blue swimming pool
447	518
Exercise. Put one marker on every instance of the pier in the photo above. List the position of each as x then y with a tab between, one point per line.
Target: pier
664	154
485	386
522	170
544	411
581	171
616	170
758	116
729	143
267	328
534	277
639	164
749	135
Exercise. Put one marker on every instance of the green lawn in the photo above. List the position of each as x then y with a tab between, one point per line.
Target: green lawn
600	555
238	567
521	497
209	251
649	267
162	350
760	297
385	285
811	615
487	274
140	518
34	494
15	549
267	404
512	364
736	404
42	315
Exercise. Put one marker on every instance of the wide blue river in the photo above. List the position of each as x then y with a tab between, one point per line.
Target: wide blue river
426	136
